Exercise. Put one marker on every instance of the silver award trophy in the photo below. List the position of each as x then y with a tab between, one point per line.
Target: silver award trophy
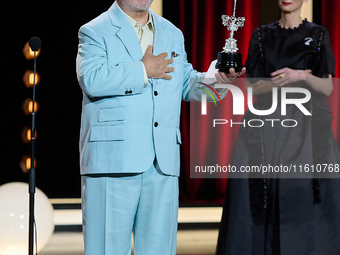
229	57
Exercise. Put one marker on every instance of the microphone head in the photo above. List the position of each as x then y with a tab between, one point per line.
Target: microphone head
35	43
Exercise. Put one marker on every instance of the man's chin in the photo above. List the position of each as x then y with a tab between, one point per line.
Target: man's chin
141	8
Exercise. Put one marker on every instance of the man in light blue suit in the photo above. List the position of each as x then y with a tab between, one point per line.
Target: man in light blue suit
133	71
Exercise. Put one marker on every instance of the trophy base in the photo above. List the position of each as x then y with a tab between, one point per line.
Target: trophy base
225	61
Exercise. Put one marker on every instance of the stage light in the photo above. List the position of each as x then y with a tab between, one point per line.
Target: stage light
25	163
28	78
27	106
26	135
28	53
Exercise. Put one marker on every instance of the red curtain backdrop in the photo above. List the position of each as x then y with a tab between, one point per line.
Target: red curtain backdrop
330	18
201	23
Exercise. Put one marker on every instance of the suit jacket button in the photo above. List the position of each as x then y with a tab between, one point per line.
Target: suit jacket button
156	124
155	93
126	92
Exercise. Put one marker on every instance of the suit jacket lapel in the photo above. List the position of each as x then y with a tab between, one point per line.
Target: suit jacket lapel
162	38
126	33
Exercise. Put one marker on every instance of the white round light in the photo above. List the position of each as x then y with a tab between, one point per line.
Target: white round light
14	210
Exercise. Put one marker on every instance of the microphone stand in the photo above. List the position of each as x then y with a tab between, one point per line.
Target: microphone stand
32	177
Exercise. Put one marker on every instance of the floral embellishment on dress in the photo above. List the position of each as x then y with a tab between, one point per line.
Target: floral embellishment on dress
308	40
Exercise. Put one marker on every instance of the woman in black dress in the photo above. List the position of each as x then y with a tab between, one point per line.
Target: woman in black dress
296	216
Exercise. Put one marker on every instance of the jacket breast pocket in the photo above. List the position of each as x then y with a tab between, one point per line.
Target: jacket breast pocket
176	52
107	133
177	60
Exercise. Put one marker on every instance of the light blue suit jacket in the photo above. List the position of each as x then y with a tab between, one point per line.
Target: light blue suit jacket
118	131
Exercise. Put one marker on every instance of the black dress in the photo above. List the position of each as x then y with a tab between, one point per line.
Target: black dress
297	216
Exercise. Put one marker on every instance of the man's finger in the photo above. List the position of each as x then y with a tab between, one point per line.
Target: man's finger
223	75
163	55
243	71
218	77
167	77
169	61
169	69
148	50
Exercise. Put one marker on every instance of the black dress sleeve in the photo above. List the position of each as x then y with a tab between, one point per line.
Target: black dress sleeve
325	63
253	62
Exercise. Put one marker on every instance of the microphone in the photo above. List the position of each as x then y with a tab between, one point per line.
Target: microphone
35	43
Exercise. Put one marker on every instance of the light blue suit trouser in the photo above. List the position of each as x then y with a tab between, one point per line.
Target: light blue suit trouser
115	206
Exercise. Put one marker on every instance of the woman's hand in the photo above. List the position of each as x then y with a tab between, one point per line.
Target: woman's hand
223	78
287	76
